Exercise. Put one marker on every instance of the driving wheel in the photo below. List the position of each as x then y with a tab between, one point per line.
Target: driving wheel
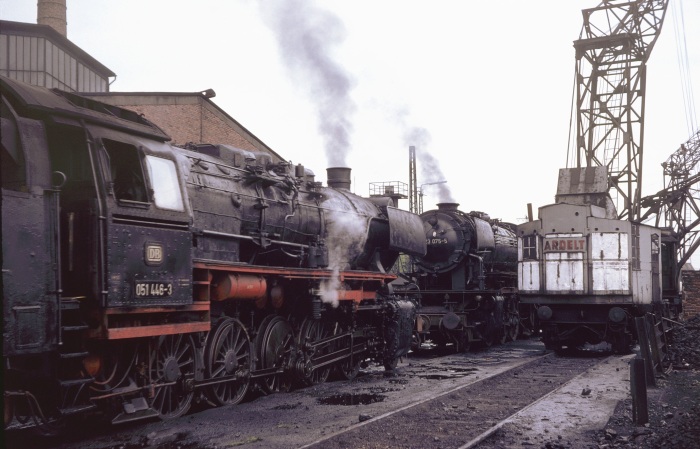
172	372
273	346
311	332
228	355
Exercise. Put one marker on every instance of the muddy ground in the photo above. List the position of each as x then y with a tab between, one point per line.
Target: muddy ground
302	416
673	408
674	405
592	411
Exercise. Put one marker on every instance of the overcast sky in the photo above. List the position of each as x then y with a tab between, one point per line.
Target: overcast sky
483	88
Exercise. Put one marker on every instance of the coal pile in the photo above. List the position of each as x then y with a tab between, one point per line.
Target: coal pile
674	405
684	347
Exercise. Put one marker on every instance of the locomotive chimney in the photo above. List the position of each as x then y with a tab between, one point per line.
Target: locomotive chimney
448	206
53	14
339	177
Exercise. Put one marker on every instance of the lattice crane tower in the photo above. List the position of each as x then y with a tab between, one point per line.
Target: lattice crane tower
677	206
611	54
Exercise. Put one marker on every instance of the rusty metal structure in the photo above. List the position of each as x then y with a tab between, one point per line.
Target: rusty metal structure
611	56
677	205
396	190
413	204
587	264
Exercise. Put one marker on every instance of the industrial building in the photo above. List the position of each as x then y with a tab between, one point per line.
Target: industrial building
41	54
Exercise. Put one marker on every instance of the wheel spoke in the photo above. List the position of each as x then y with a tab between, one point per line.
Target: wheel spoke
228	353
189	361
273	345
181	350
218	371
236	342
174	363
313	331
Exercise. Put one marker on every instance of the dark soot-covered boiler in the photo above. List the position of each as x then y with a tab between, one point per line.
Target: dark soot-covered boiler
467	279
453	236
276	219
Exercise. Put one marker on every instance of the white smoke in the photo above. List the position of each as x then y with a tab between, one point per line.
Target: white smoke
346	236
306	36
430	170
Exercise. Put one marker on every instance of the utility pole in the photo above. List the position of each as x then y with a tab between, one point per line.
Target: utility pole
412	181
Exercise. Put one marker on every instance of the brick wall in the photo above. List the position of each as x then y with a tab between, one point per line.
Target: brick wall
189	118
181	122
691	289
217	130
193	123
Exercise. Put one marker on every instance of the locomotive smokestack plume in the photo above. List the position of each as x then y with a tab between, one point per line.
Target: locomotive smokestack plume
53	14
306	36
339	177
429	166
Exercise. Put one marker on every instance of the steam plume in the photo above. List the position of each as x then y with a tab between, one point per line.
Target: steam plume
306	36
347	234
430	170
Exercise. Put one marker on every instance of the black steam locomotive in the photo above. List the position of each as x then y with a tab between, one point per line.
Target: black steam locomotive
467	280
139	276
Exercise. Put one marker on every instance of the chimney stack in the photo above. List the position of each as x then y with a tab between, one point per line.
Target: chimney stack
448	206
339	177
53	14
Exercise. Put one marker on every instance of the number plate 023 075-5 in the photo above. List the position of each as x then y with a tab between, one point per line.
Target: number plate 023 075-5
153	289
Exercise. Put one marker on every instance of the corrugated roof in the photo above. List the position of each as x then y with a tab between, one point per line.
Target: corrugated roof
45	31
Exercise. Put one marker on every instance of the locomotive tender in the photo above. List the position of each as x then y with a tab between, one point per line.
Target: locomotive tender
467	280
589	274
139	276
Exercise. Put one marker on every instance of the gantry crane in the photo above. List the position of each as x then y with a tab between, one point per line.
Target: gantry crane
611	53
677	205
615	43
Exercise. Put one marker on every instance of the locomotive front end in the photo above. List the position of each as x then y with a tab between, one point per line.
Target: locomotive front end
466	279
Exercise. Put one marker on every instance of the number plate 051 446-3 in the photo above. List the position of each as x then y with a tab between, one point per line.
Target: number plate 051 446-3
153	289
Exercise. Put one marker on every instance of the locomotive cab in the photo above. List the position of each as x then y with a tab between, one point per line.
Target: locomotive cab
147	233
96	242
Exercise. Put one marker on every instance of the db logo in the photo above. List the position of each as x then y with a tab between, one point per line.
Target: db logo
154	253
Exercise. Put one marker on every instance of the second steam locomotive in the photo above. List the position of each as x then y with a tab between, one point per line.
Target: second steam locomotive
467	280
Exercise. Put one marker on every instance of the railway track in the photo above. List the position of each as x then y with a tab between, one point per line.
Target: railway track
465	415
433	401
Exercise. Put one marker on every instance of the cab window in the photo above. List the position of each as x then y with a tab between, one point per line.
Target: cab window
128	182
166	188
529	247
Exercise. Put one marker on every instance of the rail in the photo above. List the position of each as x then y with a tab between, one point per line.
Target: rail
467	413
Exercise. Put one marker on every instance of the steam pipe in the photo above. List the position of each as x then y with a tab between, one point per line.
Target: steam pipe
482	277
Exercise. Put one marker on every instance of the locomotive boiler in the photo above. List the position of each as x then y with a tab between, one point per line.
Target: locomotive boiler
467	280
139	277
